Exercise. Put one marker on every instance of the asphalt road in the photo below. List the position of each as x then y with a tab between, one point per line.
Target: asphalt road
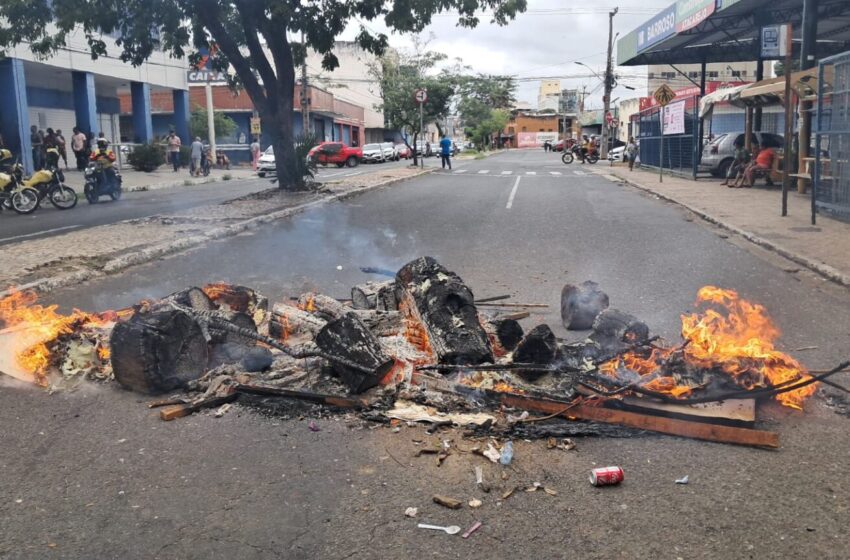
96	475
47	221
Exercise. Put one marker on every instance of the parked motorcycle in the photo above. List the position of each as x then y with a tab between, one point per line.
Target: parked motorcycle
98	183
14	195
49	182
575	153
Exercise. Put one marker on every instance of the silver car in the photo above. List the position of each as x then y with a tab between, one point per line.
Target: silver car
266	163
373	153
717	155
390	152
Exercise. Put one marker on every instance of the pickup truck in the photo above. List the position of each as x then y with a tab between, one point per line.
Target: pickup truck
338	153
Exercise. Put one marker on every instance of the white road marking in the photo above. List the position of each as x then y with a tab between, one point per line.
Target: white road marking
484	172
554	173
331	174
39	233
506	172
513	194
353	174
531	172
580	173
459	171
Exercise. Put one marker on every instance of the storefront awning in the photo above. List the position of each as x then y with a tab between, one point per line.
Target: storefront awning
722	95
804	83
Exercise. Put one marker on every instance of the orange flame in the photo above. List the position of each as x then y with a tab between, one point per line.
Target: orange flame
29	329
737	339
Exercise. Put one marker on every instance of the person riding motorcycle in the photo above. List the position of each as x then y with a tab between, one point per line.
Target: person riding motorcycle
104	158
585	147
7	161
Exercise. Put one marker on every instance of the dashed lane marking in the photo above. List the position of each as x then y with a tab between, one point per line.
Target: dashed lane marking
513	194
484	172
506	172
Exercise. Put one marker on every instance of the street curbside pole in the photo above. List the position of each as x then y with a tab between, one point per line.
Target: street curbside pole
211	121
421	135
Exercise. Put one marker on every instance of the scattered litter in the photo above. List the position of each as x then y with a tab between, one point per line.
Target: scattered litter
479	480
683	480
507	453
450	530
492	453
475	527
514	419
509	493
566	444
19	501
313	426
222	410
534	487
550	491
122	440
448	502
475	503
339	267
411	512
606	476
409	411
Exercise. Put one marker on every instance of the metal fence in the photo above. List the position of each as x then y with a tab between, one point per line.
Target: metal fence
831	180
679	150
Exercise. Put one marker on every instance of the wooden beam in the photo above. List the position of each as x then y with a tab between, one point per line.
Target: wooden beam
670	426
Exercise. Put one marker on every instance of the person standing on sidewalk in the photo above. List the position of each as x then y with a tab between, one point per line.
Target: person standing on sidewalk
255	152
197	153
631	152
62	146
174	150
78	146
446	152
37	141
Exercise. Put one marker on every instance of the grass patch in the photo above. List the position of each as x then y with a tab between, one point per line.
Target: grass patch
226	177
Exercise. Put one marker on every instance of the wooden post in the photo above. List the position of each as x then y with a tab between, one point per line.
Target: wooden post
748	129
803	142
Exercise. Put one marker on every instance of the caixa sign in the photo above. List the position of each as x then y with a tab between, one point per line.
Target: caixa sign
204	76
658	28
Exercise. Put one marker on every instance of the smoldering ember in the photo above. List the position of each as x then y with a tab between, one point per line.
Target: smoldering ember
418	346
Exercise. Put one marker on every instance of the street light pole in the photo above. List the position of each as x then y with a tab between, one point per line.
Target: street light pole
609	83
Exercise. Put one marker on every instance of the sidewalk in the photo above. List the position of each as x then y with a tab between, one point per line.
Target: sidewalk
48	263
755	215
162	178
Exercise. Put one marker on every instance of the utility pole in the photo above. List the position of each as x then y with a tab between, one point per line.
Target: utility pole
305	101
609	85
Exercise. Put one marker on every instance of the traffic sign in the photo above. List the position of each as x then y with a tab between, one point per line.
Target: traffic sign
664	95
421	96
256	127
609	118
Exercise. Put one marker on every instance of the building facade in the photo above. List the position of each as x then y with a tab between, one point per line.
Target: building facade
549	95
718	72
531	129
70	89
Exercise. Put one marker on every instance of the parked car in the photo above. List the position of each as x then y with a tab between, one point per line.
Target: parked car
718	154
390	153
403	151
266	163
373	153
434	149
336	152
617	153
558	146
423	149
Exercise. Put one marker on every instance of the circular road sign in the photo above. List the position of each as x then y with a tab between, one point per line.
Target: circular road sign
421	96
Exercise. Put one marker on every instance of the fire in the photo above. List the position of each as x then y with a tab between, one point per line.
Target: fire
104	353
28	331
484	380
732	335
309	305
217	289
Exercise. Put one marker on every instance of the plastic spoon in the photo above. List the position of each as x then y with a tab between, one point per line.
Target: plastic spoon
450	530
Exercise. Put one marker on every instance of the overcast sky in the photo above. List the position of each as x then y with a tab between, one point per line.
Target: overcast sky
545	41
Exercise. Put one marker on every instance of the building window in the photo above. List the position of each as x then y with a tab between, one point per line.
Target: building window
713	74
668	75
651	75
693	74
524	129
550	130
541	130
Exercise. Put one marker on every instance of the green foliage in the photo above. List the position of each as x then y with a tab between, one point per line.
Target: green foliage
301	165
185	156
478	96
251	38
495	122
146	157
779	67
224	125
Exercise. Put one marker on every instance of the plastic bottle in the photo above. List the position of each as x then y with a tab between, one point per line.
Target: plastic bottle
507	453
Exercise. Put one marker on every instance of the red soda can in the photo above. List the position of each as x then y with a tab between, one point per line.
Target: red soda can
606	476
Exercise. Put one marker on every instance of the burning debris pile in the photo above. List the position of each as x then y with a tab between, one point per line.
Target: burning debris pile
420	346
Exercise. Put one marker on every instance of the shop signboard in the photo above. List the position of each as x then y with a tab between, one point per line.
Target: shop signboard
690	13
673	116
657	29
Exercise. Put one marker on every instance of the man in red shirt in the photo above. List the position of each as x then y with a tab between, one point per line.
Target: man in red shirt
762	163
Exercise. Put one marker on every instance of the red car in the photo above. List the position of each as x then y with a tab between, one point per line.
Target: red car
402	151
338	153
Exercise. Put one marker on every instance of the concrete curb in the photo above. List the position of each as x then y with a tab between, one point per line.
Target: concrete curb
830	273
182	183
44	285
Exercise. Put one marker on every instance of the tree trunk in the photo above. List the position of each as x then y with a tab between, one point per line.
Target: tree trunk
415	153
283	140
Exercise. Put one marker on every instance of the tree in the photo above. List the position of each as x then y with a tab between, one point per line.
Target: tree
234	30
478	97
399	78
779	67
224	125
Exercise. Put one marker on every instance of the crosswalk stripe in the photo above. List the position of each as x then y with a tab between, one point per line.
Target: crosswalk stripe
554	172
459	171
531	172
484	172
577	172
506	172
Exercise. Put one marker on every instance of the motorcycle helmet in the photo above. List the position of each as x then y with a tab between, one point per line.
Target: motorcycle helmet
5	156
102	143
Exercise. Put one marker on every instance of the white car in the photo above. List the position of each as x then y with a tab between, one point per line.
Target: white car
266	163
373	153
617	154
390	153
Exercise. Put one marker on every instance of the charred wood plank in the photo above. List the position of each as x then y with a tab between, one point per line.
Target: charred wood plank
319	398
350	339
504	334
179	411
670	426
581	304
439	300
374	295
288	319
538	347
324	306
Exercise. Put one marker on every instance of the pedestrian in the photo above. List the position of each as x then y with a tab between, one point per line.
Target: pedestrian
255	152
196	153
740	159
762	165
631	152
61	145
446	152
37	142
78	146
174	150
49	139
